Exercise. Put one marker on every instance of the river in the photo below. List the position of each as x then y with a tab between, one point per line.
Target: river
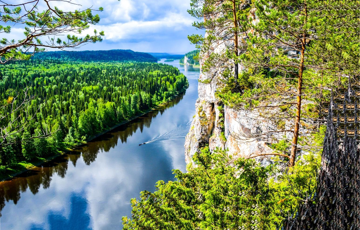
91	188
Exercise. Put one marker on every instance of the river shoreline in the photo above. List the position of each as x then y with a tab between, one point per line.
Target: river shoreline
39	162
99	178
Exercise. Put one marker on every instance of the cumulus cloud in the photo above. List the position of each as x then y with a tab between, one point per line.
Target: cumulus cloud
140	25
144	30
147	25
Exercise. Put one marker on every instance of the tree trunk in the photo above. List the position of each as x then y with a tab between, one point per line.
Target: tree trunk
236	43
299	91
298	113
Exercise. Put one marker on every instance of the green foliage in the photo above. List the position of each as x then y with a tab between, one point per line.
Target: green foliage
28	146
75	101
206	81
293	186
224	193
281	146
51	23
271	53
225	22
285	75
96	56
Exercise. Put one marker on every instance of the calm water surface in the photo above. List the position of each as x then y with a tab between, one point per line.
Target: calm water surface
92	187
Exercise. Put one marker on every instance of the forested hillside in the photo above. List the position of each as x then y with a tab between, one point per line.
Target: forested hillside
67	103
192	58
96	56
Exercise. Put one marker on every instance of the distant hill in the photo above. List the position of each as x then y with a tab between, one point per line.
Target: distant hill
97	56
191	58
167	56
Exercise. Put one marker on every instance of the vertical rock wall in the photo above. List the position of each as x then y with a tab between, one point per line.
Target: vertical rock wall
239	131
216	125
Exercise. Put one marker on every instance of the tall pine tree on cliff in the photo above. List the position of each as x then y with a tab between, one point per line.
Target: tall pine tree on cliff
283	27
281	61
222	20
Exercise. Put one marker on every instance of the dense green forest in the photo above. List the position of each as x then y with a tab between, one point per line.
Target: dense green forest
193	58
96	56
68	102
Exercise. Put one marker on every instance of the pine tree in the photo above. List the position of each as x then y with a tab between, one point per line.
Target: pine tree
51	22
28	146
223	24
41	144
281	64
209	196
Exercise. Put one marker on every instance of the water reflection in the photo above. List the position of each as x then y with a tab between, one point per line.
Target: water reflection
78	218
41	176
33	180
91	188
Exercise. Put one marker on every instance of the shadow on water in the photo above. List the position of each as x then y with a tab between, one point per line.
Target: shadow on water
41	176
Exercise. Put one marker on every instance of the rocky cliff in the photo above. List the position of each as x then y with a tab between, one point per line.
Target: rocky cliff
244	133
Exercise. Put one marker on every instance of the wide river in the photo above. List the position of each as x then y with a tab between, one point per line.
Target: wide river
92	187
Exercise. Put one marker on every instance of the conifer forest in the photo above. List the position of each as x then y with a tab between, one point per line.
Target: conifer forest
181	114
73	101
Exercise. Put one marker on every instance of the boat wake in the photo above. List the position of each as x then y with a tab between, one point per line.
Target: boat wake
179	132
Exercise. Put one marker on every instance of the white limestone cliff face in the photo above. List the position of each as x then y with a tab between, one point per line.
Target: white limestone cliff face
244	133
239	131
218	126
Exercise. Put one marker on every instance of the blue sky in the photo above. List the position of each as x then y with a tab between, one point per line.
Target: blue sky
143	25
139	25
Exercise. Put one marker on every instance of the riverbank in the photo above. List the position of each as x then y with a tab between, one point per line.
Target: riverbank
24	166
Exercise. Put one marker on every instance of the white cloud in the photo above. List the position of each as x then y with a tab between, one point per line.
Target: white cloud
144	30
161	25
141	25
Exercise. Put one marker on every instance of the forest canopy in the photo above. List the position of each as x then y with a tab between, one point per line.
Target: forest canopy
96	56
71	102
